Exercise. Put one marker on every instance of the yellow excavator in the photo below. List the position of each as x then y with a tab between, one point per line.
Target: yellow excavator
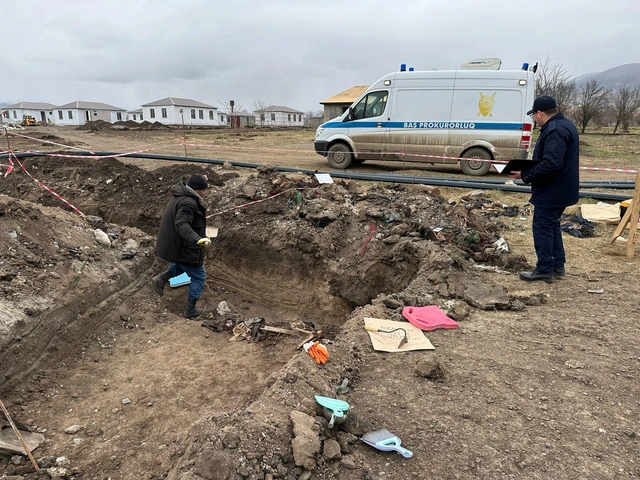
28	120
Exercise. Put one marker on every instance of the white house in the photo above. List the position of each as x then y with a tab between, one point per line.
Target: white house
41	111
278	116
79	113
181	111
135	115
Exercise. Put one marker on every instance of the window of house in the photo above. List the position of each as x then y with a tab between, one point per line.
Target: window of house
60	114
300	117
119	116
141	116
210	114
70	113
200	114
164	113
152	112
273	117
15	115
289	117
134	116
193	113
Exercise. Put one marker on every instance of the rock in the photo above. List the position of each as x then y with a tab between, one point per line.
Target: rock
58	472
456	309
231	440
345	439
214	465
430	368
16	459
487	297
348	462
306	475
331	449
306	443
73	429
102	237
223	309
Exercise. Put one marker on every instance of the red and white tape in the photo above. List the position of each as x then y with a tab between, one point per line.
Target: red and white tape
48	189
220	212
46	141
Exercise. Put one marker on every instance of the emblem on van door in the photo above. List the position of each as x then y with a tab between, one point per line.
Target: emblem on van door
486	104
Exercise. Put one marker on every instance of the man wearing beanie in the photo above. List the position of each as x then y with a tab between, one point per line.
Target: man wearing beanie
554	179
182	240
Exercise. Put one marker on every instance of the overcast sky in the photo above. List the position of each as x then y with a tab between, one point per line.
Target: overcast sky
294	53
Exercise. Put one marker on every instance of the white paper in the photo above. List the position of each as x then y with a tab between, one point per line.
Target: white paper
324	178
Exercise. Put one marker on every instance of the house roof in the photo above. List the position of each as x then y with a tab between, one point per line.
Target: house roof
278	108
179	102
32	105
350	95
137	110
90	106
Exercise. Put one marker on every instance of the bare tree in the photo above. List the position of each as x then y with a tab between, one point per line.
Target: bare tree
592	100
229	106
260	108
555	80
626	103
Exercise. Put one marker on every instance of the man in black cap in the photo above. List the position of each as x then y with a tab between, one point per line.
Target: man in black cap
554	179
182	239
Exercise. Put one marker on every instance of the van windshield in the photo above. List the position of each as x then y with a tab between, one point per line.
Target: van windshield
372	105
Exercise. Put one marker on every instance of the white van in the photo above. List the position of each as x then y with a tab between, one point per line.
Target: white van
436	116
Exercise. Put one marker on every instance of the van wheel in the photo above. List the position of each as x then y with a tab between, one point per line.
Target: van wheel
476	167
339	156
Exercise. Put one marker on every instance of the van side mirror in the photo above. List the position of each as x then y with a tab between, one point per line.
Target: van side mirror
349	116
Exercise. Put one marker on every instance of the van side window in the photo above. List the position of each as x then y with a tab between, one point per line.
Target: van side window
372	105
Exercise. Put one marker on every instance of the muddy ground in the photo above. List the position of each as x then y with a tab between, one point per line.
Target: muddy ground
539	381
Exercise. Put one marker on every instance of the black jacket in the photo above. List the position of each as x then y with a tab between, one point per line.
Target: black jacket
183	224
555	177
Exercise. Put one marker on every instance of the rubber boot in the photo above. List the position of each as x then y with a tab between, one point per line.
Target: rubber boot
192	311
159	281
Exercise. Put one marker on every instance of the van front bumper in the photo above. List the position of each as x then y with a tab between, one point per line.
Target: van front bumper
321	147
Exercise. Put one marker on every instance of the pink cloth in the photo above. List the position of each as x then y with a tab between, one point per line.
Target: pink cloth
428	318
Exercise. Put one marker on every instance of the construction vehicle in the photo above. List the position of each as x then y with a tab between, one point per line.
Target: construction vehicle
28	120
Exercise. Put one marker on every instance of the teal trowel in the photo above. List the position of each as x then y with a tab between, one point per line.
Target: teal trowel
337	408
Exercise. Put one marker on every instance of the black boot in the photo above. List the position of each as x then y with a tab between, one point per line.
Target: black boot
192	311
159	281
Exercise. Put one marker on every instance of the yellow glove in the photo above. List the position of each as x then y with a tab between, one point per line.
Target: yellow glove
204	242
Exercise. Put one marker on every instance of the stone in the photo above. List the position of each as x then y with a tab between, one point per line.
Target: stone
331	449
306	443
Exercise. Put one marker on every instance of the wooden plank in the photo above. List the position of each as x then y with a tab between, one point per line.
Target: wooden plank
635	211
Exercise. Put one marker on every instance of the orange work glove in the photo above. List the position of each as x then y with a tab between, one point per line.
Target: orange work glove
317	351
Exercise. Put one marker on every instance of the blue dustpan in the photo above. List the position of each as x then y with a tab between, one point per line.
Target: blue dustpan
337	408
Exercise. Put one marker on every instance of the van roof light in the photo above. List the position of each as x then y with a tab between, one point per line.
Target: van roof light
403	67
411	69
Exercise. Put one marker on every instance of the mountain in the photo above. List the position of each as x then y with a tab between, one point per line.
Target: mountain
615	77
4	104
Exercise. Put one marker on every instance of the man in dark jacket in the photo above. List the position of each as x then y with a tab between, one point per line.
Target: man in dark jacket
182	239
554	179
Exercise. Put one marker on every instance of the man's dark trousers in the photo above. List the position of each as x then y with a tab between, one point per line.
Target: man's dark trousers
547	239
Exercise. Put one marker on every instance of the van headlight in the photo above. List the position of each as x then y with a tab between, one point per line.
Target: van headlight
319	130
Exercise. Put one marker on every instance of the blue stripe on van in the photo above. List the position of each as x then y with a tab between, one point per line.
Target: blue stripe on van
428	125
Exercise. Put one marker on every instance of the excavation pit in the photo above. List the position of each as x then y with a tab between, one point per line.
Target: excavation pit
82	330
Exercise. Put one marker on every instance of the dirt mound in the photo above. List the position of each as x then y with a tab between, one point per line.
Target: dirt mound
95	126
